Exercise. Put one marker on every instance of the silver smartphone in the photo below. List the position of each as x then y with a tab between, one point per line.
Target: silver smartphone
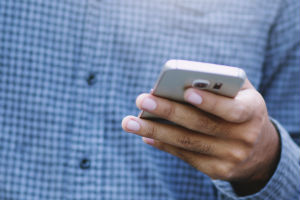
178	75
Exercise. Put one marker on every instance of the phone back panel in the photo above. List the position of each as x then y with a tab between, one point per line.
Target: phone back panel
176	77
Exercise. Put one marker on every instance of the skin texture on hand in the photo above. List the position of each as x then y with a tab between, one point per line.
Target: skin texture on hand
230	139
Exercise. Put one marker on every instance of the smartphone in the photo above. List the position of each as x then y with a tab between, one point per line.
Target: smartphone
178	75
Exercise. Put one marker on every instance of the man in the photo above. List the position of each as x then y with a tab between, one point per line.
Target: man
71	70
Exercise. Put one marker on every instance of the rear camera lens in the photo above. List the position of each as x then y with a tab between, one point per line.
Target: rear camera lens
200	84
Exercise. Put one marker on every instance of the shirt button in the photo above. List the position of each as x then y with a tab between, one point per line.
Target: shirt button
91	79
85	163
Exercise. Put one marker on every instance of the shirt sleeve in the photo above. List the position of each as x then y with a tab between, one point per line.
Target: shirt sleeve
280	87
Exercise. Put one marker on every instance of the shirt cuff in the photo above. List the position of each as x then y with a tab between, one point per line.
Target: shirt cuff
284	183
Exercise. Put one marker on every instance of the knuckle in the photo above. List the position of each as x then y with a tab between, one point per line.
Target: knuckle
151	131
260	117
252	137
224	171
238	155
209	125
168	111
238	114
204	148
184	141
193	144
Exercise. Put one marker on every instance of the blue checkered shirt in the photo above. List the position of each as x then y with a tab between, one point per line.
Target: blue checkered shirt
71	70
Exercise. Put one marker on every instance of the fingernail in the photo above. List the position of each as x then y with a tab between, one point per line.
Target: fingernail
148	104
148	140
133	125
194	98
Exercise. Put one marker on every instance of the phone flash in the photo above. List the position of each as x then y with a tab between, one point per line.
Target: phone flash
217	86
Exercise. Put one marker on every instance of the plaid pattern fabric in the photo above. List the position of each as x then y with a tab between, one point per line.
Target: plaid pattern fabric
71	70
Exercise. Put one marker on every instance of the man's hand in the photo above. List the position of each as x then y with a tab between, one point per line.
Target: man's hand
226	138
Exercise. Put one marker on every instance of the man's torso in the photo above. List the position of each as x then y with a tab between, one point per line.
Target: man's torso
70	71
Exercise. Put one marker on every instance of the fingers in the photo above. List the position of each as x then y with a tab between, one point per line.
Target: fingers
170	134
184	138
237	110
181	114
213	167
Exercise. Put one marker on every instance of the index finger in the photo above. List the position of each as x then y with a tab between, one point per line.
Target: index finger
238	109
181	114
